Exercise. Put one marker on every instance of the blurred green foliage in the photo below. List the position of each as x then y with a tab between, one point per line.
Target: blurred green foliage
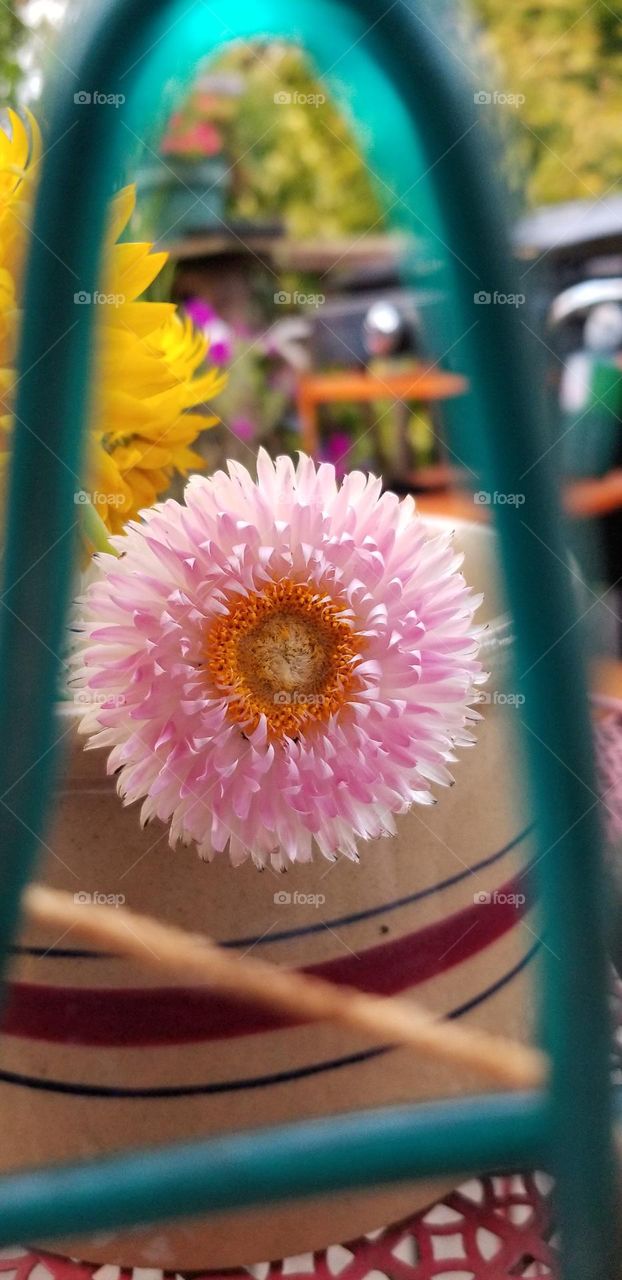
565	57
11	36
301	163
297	160
295	156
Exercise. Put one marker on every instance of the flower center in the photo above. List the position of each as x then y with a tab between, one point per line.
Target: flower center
287	653
284	653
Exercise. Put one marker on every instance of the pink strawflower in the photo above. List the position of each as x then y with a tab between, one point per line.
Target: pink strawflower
283	661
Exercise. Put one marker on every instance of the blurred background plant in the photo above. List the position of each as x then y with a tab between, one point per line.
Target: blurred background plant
565	58
280	245
562	58
12	32
303	166
300	165
263	198
253	408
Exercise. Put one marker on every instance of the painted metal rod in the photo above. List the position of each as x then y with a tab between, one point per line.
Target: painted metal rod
78	170
362	1149
510	422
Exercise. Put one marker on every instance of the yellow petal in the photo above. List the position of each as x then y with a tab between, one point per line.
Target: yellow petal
131	268
151	364
121	209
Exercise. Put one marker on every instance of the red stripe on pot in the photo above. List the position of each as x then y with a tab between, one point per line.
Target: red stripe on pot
139	1017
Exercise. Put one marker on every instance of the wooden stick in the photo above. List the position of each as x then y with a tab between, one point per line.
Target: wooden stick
195	958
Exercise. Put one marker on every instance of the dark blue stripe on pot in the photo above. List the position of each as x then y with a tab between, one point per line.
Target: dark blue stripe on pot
287	935
256	1082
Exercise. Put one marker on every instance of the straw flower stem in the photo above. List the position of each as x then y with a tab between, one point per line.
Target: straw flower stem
94	530
195	958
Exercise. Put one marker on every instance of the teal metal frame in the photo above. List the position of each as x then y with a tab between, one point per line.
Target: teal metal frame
569	1129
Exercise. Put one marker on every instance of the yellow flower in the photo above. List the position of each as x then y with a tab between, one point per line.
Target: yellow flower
19	156
150	363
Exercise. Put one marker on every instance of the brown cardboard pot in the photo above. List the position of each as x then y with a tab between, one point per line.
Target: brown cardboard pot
98	1056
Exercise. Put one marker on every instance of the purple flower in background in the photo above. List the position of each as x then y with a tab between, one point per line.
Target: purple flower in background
200	312
220	348
243	427
336	449
219	334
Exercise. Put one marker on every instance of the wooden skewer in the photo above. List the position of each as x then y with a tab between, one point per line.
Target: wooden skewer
195	958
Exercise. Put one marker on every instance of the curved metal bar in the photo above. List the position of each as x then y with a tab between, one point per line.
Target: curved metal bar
365	1149
507	418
